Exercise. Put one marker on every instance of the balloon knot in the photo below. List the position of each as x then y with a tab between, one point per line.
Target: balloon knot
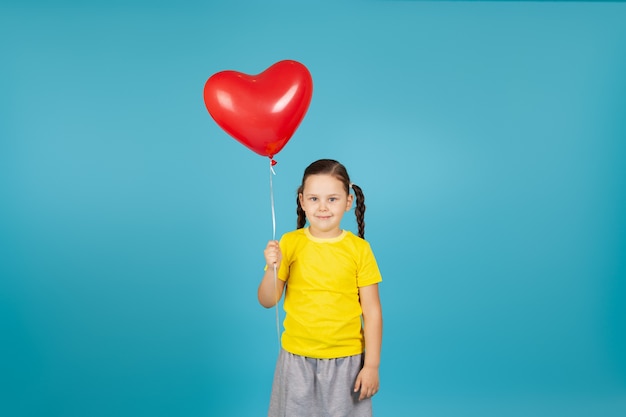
273	162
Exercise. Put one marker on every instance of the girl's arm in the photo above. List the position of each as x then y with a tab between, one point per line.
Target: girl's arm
367	380
271	288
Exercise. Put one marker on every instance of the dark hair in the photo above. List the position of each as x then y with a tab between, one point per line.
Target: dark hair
337	170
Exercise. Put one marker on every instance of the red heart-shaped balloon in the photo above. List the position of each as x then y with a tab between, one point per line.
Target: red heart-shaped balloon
261	111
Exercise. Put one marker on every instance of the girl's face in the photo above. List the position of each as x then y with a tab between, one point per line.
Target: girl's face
324	202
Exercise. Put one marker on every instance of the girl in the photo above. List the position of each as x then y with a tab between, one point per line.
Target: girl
328	364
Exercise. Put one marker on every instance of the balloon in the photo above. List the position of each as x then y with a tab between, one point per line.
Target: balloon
261	111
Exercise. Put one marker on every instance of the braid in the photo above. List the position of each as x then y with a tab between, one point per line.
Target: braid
359	210
301	216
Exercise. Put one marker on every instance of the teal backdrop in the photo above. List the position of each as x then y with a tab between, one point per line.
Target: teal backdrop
489	139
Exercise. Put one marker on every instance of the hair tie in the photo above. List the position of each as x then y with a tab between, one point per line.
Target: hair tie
352	185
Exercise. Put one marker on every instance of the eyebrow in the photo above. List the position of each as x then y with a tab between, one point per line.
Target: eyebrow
317	195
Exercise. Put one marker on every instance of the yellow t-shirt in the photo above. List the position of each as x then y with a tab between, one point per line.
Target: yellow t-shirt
323	312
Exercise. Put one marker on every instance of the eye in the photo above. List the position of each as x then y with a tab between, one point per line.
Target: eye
332	199
313	198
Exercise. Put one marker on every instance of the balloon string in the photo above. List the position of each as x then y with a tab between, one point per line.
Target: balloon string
276	308
274	238
272	201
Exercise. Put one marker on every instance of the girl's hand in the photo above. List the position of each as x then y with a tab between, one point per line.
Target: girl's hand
367	382
270	288
273	254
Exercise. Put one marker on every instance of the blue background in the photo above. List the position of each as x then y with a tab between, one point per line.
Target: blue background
490	141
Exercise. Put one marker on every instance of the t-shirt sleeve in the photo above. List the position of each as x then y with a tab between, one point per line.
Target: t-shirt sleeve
283	272
368	272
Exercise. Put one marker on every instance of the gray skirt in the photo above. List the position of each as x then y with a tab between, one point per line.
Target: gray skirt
307	387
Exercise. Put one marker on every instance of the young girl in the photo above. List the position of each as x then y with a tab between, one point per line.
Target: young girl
328	364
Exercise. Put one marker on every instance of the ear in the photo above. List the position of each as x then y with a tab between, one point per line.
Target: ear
300	198
349	202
